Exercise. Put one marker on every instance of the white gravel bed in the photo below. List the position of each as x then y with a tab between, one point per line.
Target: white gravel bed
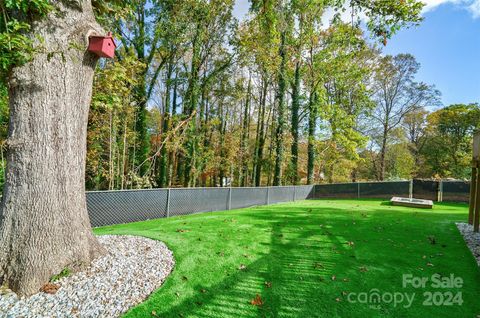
132	270
472	239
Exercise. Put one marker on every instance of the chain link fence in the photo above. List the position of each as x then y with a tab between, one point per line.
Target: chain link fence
125	206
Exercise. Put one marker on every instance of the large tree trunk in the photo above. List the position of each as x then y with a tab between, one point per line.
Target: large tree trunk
312	122
294	125
44	225
260	141
383	151
279	142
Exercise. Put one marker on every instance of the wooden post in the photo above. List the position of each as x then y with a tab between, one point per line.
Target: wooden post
473	191
440	191
410	189
475	183
476	217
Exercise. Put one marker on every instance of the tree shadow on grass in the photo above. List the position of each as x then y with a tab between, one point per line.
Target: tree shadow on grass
311	262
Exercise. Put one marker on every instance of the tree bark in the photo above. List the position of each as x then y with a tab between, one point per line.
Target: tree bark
282	86
260	141
312	121
44	224
294	125
383	152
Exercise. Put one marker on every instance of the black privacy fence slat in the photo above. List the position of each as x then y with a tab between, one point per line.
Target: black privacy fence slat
125	206
455	191
336	190
384	190
379	190
426	189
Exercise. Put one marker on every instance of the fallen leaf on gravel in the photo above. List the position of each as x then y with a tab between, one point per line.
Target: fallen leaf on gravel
257	301
49	288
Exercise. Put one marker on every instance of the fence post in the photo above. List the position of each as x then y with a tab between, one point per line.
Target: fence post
440	191
168	202
229	203
294	193
410	189
268	195
358	190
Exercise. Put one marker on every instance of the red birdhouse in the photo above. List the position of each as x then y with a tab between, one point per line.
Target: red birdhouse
103	46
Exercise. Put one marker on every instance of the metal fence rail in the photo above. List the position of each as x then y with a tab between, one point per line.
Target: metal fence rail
115	207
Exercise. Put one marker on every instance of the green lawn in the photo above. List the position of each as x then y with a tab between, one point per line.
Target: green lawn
304	259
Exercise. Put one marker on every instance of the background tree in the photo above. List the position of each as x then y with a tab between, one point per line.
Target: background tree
396	95
447	149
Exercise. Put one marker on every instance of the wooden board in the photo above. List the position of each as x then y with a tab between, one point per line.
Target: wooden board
413	203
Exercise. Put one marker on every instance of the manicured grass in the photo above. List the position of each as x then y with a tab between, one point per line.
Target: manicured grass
305	258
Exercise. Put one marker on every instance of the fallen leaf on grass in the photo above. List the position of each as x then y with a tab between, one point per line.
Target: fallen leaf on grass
334	277
318	266
268	284
154	313
363	269
351	243
430	264
182	230
242	267
257	301
203	290
338	300
184	278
